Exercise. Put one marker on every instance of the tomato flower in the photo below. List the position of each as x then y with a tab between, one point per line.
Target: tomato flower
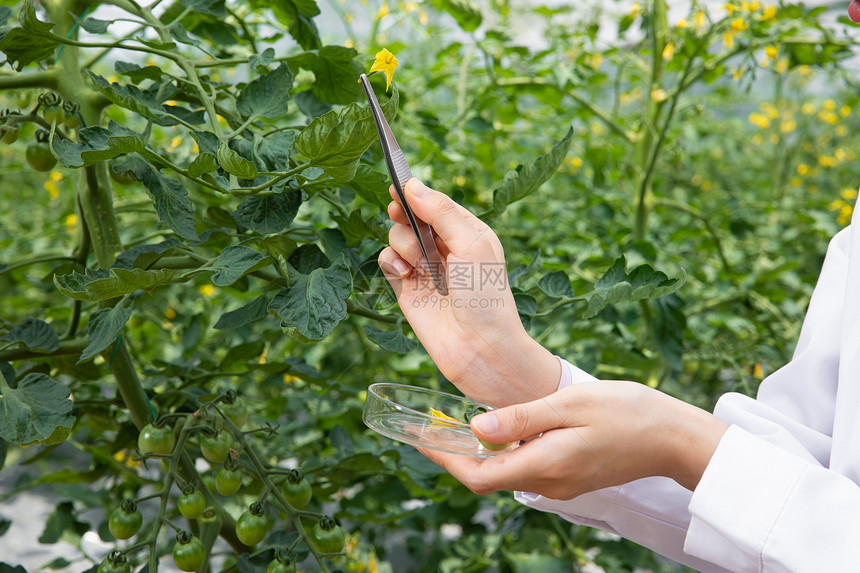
386	63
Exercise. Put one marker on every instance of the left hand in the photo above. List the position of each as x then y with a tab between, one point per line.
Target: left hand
592	435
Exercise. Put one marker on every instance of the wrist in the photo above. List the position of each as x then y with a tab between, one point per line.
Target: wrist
694	435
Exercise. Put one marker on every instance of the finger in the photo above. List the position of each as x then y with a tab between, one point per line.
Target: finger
403	240
522	421
456	226
398	215
393	266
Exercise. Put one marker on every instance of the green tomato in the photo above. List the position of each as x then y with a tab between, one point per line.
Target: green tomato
277	566
10	135
192	504
39	156
493	446
154	440
114	564
188	553
296	489
53	113
125	521
215	448
236	411
228	482
252	525
327	536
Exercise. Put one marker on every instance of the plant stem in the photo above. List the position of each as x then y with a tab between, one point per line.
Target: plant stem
67	348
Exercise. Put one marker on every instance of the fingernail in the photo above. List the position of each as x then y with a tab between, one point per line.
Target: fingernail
401	267
418	188
486	423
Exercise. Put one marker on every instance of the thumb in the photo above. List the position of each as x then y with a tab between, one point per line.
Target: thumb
517	422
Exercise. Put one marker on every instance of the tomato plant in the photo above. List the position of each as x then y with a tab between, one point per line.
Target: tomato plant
216	448
125	521
327	536
194	201
191	503
189	554
252	526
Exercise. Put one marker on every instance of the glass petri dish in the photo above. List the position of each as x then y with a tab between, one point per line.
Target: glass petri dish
411	415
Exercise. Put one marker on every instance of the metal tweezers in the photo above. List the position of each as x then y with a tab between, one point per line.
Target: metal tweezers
400	173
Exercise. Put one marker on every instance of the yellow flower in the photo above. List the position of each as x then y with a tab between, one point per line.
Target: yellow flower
759	119
729	39
829	105
844	216
807	108
730	8
682	23
828	117
770	109
634	9
669	51
707	185
771	52
383	11
206	290
348	17
788	125
769	13
659	94
349	43
826	161
774	138
845	110
423	18
796	182
442	415
70	221
739	25
781	66
849	194
289	378
737	73
750	6
170	313
757	371
802	169
386	63
699	19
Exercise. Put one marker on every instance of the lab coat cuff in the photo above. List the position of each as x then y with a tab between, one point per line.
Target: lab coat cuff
589	509
739	499
570	374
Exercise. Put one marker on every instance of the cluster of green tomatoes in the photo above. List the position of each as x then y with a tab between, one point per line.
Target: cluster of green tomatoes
220	449
55	112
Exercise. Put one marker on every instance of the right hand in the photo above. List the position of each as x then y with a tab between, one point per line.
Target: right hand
473	334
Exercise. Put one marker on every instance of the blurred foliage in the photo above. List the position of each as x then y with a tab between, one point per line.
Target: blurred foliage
710	154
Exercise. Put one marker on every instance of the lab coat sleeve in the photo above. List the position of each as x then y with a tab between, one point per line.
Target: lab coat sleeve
768	470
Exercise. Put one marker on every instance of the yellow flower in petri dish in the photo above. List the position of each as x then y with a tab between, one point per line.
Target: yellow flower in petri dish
442	415
386	63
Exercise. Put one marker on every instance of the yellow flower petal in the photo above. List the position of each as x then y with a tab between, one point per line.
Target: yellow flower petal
386	63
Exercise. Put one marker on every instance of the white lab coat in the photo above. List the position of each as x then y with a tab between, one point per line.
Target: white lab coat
781	491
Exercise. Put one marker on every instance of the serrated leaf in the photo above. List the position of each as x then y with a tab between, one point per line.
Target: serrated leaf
110	284
142	256
168	195
556	284
203	163
104	327
274	151
97	143
617	285
234	163
130	97
24	47
335	141
31	411
136	73
335	70
61	520
268	214
372	186
215	8
268	95
257	309
526	179
264	58
526	304
234	262
314	304
36	335
391	340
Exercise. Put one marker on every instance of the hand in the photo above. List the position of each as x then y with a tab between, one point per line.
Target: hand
592	435
473	334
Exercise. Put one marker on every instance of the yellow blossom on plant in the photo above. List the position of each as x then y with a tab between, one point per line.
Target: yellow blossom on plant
289	378
750	6
759	120
669	51
826	161
737	73
729	39
739	25
845	110
796	182
829	105
707	185
682	23
771	52
828	117
634	9
769	109
170	313
802	169
206	290
730	8
383	11
849	194
659	94
757	371
839	154
781	66
349	43
699	19
769	13
788	125
807	109
386	63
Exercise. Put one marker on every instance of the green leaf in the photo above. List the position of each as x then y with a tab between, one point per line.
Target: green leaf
169	196
257	309
336	73
215	8
97	144
372	186
92	25
104	327
32	42
234	262
314	304
105	285
136	73
556	284
203	163
391	340
528	562
467	15
63	519
36	335
268	95
617	285
5	568
31	411
262	59
526	179
335	141
268	214
668	328
234	163
143	256
130	97
5	14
